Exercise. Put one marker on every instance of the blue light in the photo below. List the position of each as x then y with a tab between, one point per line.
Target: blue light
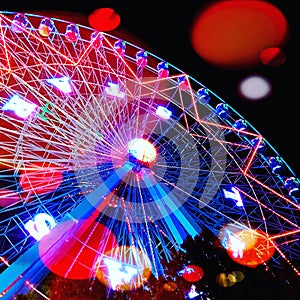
275	164
260	143
292	185
240	124
222	110
162	66
202	94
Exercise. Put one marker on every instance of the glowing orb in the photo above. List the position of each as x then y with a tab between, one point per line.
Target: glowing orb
225	280
74	255
192	273
247	27
104	19
257	248
239	276
255	87
41	178
124	268
142	150
272	57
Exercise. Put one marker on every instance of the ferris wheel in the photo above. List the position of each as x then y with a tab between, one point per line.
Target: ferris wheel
110	157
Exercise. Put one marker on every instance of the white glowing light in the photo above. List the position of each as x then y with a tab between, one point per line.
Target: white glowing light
40	225
234	194
163	112
255	87
22	108
62	83
233	243
142	150
113	89
119	273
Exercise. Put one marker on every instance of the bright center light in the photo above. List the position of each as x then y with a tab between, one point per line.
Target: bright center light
142	150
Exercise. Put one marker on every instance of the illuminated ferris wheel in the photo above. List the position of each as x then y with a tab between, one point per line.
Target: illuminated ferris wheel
110	158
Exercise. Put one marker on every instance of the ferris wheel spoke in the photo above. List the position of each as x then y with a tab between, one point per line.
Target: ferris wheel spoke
95	129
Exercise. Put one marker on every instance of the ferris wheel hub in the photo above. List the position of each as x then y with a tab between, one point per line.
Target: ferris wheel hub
141	153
